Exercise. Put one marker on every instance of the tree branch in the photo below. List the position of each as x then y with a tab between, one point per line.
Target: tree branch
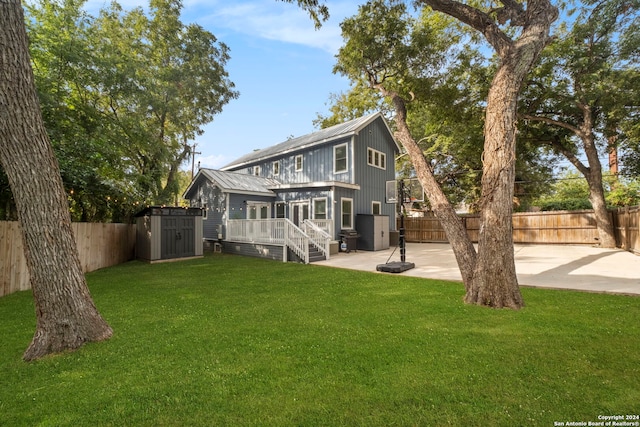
476	19
552	122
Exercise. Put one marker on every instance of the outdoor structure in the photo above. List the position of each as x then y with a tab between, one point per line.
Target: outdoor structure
168	233
294	199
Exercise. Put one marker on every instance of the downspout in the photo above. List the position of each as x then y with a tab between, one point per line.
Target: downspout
353	160
333	204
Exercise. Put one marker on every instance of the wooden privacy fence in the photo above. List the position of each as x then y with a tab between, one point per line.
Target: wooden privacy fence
556	227
627	221
99	246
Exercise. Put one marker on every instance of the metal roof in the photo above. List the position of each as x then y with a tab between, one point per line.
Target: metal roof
352	127
235	182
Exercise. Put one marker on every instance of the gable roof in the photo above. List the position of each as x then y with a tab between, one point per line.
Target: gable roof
235	182
352	127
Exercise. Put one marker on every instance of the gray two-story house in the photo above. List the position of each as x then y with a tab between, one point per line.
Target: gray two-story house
319	183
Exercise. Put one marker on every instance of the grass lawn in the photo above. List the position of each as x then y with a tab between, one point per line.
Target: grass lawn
229	340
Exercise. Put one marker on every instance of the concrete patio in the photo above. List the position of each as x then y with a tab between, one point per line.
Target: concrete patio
583	268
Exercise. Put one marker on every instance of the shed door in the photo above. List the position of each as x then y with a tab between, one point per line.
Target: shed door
178	237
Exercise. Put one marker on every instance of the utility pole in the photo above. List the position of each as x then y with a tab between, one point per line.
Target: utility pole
193	158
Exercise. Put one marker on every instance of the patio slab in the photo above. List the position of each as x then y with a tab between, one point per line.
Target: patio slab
583	268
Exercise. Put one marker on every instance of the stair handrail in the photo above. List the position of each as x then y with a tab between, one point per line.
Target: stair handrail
296	239
318	237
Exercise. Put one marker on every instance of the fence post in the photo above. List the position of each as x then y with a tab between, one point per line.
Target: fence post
627	234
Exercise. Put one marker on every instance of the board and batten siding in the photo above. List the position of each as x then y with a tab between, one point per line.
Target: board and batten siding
372	179
238	204
317	165
216	201
273	252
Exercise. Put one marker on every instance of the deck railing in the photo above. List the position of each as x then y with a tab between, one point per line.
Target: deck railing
257	230
324	224
279	231
297	240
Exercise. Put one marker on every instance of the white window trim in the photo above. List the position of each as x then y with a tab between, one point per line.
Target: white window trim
346	158
350	226
301	204
295	160
276	168
258	206
326	207
382	159
376	203
256	170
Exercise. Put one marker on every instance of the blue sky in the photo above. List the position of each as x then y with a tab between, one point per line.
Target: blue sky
280	64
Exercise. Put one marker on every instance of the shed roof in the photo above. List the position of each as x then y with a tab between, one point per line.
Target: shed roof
235	182
352	127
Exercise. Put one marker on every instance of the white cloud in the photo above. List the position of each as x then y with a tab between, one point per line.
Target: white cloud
269	19
283	22
213	161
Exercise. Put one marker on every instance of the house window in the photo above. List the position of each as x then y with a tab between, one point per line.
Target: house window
256	170
320	208
276	168
391	192
340	158
205	209
376	158
347	213
280	210
376	208
298	162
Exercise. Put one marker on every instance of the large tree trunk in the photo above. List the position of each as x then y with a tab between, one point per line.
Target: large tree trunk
65	313
453	227
593	174
495	282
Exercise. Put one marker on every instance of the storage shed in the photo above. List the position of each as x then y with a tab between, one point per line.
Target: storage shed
168	233
373	232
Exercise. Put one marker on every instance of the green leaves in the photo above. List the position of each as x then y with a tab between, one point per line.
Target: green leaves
122	93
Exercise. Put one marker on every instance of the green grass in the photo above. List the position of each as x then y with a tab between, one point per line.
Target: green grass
228	340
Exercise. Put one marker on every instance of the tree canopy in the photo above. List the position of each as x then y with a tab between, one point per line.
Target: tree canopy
122	95
579	98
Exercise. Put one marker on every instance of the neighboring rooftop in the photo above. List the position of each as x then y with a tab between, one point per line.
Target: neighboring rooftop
322	136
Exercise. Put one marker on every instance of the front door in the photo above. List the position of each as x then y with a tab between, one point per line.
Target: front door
299	212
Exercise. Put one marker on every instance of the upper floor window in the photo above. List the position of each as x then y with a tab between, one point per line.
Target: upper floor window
376	158
340	158
376	208
276	168
298	162
256	170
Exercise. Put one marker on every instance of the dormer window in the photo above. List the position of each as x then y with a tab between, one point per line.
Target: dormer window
298	161
276	168
256	170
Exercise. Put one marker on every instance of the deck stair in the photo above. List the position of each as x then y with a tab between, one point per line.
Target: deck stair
315	254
